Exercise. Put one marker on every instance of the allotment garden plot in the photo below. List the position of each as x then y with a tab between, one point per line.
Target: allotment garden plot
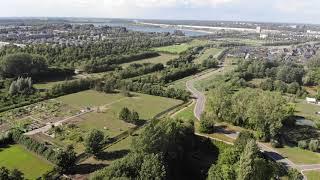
95	110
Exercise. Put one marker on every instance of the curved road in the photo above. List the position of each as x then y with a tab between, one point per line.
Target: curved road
273	154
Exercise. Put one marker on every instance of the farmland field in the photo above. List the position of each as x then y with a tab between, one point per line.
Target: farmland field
163	58
177	49
23	160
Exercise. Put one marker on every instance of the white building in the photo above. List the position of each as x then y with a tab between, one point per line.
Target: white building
311	100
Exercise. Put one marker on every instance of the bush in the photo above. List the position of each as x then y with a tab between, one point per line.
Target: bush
303	144
314	145
276	143
206	125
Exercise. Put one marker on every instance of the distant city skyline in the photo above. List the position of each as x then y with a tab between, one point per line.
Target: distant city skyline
290	11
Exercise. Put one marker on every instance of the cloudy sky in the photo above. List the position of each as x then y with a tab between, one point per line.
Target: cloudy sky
304	11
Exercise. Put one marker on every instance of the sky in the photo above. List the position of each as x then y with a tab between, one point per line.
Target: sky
295	11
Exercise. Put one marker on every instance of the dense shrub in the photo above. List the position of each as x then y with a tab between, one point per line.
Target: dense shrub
303	144
314	145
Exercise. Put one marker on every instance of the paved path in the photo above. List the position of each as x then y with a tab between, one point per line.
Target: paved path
272	153
49	125
200	96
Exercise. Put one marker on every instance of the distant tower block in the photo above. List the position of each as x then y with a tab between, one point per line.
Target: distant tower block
258	29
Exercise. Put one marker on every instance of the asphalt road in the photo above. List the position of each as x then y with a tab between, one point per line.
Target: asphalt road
270	152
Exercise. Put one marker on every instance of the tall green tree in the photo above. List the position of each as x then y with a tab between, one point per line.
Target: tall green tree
94	142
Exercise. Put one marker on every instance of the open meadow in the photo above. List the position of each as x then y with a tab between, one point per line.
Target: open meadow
163	58
180	48
214	52
30	164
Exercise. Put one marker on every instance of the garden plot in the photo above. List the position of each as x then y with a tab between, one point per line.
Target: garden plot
102	114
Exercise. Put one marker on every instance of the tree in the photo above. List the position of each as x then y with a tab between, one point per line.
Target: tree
295	175
16	175
267	85
152	168
246	162
4	173
94	142
134	117
18	64
206	124
242	140
314	145
125	114
66	158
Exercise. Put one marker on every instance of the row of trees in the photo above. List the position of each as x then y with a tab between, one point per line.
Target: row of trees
72	56
139	69
111	62
286	72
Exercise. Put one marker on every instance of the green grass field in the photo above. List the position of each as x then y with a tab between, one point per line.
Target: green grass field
306	110
300	156
163	58
16	157
208	52
186	113
312	175
89	98
177	49
107	119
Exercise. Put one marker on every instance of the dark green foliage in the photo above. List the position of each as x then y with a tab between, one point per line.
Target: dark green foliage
72	86
242	140
94	142
139	69
6	174
244	161
210	63
21	86
314	145
295	175
20	64
110	63
255	109
303	144
157	153
125	114
66	159
206	125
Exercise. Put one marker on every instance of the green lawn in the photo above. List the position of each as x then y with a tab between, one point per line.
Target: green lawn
312	175
208	52
46	85
300	156
177	49
16	157
163	58
107	118
186	113
89	98
307	110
